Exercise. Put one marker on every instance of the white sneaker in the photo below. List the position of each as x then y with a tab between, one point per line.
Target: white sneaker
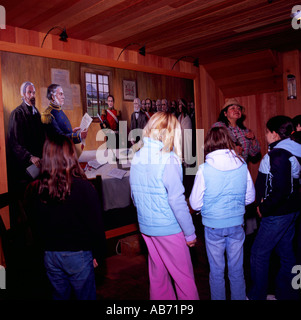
271	297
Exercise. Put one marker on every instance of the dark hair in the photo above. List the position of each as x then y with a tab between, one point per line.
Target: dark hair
184	105
51	90
59	165
296	136
224	119
218	138
282	125
297	120
111	97
176	104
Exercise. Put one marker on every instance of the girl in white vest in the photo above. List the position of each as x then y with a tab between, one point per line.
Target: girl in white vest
222	187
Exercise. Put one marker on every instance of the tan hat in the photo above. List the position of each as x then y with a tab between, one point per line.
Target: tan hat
231	101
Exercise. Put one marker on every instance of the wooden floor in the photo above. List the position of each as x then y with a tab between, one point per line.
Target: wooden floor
120	277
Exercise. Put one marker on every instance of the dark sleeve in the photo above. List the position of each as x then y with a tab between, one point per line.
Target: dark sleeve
281	182
104	124
16	141
145	120
93	215
132	124
260	186
74	136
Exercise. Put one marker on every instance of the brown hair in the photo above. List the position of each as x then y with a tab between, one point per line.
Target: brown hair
165	127
219	138
59	165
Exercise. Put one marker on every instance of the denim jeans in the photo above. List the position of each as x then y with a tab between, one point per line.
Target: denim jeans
67	270
275	232
229	240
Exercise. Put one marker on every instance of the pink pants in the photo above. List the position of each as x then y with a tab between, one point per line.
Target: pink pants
169	259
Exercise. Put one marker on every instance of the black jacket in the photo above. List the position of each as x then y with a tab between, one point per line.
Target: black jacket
26	137
277	183
71	225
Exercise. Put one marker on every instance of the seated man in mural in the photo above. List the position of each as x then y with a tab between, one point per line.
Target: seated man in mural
56	120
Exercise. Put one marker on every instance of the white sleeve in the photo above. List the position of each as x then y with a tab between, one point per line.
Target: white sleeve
250	193
197	193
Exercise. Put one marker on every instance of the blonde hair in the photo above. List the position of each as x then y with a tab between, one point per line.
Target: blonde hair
166	128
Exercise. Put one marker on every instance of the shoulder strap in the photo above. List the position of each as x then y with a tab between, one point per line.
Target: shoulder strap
113	115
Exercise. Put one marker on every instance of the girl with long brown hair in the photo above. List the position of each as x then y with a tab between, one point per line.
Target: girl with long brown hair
67	216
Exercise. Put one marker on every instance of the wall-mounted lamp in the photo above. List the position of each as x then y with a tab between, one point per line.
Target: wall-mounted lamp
141	50
195	61
291	87
63	35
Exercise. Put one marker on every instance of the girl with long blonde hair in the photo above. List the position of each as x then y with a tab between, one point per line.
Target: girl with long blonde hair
163	215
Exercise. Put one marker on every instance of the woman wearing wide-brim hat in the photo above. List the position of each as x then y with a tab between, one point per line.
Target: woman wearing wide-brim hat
232	117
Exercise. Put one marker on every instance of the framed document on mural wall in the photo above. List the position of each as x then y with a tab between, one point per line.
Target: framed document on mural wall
129	90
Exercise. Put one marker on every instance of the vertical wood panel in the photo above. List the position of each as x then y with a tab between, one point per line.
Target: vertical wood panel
209	101
4	212
3	174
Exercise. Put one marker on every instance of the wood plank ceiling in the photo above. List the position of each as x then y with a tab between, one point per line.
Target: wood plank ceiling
210	30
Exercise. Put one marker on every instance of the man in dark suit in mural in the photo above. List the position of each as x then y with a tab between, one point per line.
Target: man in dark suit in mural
25	140
26	136
138	121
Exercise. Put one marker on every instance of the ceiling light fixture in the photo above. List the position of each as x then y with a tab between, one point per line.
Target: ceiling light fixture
195	61
141	50
63	35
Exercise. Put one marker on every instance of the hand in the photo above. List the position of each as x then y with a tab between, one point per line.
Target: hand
95	264
76	129
258	212
36	161
191	243
238	150
250	135
83	134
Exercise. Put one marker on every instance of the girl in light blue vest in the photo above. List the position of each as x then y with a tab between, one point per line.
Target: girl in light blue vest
222	188
163	214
